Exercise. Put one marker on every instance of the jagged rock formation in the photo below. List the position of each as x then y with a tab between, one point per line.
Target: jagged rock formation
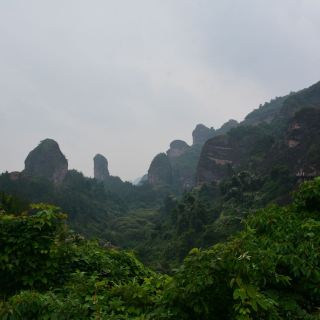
160	171
177	148
101	171
201	134
46	161
184	158
251	142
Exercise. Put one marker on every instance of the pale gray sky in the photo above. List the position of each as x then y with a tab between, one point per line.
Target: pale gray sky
126	77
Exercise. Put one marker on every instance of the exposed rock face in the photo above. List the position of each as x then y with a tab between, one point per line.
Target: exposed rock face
46	161
177	148
296	149
217	156
300	149
101	171
160	171
202	133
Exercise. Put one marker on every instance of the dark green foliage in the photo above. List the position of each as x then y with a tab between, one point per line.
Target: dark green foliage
307	98
270	270
93	207
266	112
27	245
40	256
10	203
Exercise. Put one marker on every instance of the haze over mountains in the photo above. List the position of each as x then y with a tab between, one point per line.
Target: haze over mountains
184	166
211	109
91	73
276	144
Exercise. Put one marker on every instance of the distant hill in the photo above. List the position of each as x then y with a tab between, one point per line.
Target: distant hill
284	131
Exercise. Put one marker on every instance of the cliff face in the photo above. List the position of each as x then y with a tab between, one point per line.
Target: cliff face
218	155
46	161
266	131
160	171
184	159
260	150
299	149
101	171
201	134
284	131
177	148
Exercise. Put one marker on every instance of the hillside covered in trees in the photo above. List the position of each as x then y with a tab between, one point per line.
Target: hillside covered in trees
225	228
270	270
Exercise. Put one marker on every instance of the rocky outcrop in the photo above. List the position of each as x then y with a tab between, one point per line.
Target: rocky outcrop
300	148
201	134
296	149
217	157
101	171
177	148
46	161
160	171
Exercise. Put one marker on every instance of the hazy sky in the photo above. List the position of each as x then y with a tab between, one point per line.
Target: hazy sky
126	77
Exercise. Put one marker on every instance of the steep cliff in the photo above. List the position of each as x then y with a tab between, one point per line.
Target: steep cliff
221	155
177	148
160	171
101	171
284	131
202	133
299	148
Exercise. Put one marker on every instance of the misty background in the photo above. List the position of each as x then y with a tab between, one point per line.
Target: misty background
124	78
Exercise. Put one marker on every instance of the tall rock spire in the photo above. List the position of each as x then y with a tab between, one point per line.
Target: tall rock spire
101	171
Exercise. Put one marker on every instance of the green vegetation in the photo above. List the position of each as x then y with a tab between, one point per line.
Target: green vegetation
241	244
210	214
269	270
93	207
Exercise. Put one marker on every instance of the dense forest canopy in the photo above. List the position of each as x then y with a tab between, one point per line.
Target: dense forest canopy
270	270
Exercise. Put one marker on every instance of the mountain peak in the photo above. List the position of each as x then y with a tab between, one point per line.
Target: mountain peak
101	171
47	161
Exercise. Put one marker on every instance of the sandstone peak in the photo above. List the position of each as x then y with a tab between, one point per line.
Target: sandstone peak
47	161
202	133
160	171
177	148
101	171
